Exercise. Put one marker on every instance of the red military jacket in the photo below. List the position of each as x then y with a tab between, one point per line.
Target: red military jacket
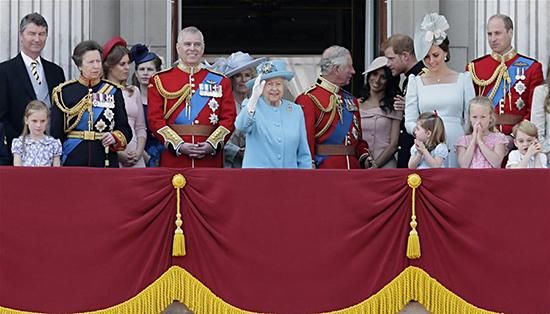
488	71
169	95
321	105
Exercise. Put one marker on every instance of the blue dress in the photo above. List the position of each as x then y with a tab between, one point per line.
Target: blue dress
275	136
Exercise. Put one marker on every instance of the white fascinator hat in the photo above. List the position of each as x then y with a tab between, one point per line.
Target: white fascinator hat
432	31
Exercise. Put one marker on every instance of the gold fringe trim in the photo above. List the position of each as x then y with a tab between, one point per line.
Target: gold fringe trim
177	284
413	284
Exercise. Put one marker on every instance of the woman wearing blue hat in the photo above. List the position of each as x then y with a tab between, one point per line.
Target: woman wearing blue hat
146	64
274	127
239	67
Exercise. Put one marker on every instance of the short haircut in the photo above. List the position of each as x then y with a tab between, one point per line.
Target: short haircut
34	18
190	30
399	43
82	48
333	57
508	24
526	127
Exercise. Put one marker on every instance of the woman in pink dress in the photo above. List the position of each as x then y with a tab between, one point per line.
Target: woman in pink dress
380	122
116	61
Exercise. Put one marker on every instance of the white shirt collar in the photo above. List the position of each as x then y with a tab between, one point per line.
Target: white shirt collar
27	60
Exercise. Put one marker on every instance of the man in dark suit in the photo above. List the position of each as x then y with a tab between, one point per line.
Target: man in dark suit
26	77
399	50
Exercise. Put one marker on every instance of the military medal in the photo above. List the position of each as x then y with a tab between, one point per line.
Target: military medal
520	103
109	114
100	125
520	87
213	104
350	105
214	118
217	91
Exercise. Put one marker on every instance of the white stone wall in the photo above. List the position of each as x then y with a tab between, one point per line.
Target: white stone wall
68	24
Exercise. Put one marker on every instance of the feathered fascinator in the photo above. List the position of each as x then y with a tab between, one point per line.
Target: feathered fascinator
431	32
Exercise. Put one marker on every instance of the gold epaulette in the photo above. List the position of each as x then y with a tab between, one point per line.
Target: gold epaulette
77	111
332	106
217	137
56	95
310	89
58	88
423	71
182	94
117	85
165	70
500	73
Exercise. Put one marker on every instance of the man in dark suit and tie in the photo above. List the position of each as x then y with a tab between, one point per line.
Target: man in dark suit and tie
26	77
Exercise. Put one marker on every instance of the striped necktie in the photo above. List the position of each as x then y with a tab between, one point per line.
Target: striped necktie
34	71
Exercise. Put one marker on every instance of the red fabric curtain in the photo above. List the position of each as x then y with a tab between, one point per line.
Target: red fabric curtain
284	241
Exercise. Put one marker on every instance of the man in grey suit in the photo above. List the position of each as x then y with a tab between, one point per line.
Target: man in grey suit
26	77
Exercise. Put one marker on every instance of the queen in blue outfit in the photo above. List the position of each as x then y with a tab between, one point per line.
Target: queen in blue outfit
274	127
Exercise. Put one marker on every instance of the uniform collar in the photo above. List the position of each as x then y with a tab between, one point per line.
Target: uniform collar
504	57
325	84
86	82
189	69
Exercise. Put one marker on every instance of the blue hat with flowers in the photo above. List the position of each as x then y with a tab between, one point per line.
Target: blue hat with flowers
271	69
140	54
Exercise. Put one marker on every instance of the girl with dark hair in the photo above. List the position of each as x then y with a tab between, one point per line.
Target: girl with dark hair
116	63
379	120
146	65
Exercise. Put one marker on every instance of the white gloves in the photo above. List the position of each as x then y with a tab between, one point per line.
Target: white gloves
257	91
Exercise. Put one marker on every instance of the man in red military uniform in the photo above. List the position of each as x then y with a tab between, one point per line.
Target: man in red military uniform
505	76
333	123
191	108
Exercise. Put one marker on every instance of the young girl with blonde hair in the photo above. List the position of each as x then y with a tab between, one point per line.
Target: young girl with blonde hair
34	148
483	146
429	149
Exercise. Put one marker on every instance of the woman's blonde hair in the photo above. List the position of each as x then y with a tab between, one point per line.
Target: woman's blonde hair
526	127
488	104
432	122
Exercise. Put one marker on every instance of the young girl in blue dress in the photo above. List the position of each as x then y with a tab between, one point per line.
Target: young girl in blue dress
34	148
429	149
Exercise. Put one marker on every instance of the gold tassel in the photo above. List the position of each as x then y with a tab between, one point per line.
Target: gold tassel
178	245
413	242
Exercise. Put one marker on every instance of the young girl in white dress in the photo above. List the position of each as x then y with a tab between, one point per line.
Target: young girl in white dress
441	89
429	149
34	148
